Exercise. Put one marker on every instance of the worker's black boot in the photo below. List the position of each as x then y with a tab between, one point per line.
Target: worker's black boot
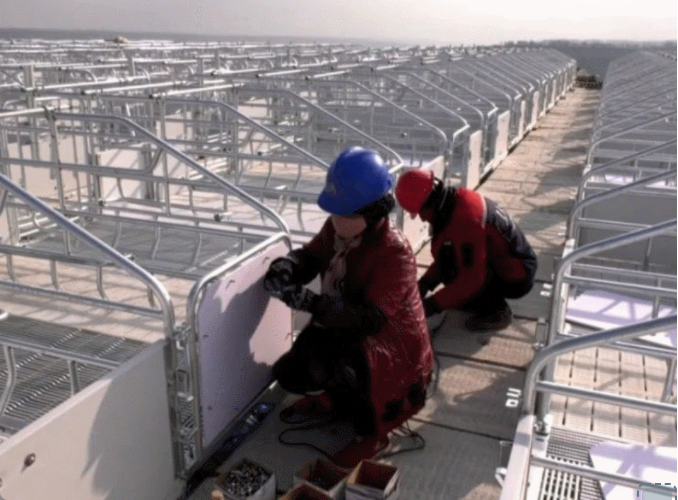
495	317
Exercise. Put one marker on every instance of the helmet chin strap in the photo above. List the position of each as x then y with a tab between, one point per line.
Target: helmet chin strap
443	197
437	190
442	202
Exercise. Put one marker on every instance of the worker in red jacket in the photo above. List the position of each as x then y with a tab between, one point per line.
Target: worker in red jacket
366	354
481	257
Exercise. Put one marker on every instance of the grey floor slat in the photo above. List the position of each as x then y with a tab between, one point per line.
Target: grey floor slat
534	305
454	465
472	397
512	346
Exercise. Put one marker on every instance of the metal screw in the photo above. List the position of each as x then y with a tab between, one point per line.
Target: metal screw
29	460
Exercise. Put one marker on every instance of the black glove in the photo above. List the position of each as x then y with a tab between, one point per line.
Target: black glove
431	307
280	274
301	299
424	288
335	312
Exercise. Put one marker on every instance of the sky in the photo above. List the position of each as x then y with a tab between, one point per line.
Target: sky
439	21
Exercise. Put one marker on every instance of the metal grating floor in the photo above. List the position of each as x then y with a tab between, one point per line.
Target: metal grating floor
573	447
559	485
43	381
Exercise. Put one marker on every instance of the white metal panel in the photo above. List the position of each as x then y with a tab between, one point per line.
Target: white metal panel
242	331
110	188
472	177
110	441
501	146
415	229
523	120
535	109
650	464
516	473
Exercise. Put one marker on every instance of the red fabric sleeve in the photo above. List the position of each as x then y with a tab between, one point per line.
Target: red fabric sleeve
466	232
470	279
432	276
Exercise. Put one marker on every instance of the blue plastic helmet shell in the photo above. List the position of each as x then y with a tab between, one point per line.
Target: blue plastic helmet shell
354	180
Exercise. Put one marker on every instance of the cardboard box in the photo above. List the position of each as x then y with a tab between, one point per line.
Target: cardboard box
324	475
305	491
372	480
247	480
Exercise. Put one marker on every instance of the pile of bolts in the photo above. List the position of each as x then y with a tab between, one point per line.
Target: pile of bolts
244	480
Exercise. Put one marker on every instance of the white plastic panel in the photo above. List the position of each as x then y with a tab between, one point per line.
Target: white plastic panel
501	146
523	120
475	159
110	188
242	331
605	310
535	109
34	179
110	441
650	464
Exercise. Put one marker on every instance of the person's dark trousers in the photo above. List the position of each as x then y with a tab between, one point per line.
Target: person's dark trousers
331	360
495	292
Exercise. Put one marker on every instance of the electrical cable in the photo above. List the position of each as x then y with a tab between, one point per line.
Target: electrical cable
403	431
302	443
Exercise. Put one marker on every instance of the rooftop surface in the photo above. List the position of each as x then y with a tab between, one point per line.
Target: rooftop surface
471	419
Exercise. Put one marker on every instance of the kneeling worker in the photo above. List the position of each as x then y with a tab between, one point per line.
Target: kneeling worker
481	257
366	355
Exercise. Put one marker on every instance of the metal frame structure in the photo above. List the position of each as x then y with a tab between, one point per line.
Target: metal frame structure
134	210
182	163
622	239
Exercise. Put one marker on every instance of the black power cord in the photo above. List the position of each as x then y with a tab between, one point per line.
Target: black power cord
403	432
303	443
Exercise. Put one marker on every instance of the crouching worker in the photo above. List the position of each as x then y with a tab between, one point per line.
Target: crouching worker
365	356
481	257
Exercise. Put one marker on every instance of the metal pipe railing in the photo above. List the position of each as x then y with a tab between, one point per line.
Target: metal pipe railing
102	248
548	354
638	126
184	158
591	249
634	156
573	218
590	473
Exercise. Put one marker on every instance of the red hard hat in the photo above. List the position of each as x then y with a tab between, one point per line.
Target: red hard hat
412	189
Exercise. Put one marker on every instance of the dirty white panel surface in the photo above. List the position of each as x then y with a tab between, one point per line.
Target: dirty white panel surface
602	309
650	464
242	331
110	441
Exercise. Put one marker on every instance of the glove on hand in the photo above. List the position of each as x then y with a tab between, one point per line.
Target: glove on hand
424	288
279	275
301	299
431	307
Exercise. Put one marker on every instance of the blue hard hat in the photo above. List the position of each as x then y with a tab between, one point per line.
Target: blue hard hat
355	179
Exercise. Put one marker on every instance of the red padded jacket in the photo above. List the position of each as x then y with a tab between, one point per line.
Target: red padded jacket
476	235
382	272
